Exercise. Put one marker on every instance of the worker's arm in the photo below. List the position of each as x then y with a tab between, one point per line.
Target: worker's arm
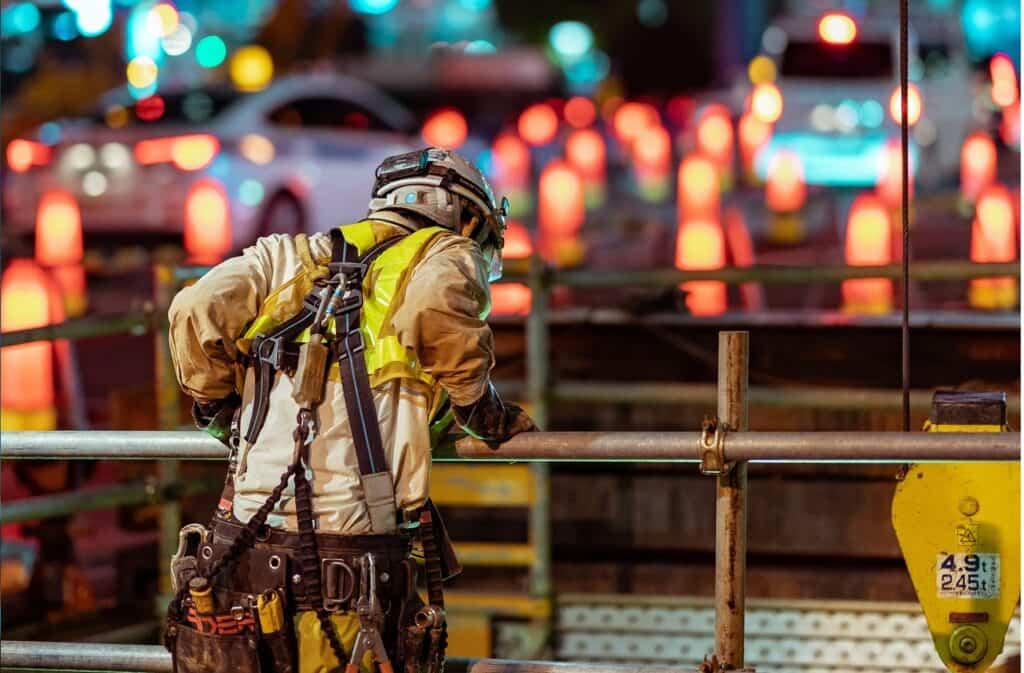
205	321
441	318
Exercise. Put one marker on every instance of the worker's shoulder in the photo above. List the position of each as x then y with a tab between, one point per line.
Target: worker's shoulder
285	248
449	245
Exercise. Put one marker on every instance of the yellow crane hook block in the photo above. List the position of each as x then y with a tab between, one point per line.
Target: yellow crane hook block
958	526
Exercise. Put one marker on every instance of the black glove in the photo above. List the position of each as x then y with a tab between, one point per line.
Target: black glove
492	420
215	417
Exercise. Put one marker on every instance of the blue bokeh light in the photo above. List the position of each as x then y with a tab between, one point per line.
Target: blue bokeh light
19	19
50	133
92	17
372	6
65	26
570	39
139	39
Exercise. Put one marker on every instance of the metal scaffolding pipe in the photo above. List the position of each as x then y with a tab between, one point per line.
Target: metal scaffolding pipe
138	322
21	654
820	447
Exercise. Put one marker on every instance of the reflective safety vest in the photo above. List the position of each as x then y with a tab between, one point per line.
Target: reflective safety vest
384	286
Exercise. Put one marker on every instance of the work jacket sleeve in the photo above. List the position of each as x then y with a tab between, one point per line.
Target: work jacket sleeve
206	319
441	318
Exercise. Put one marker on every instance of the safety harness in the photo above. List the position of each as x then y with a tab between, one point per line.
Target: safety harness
337	300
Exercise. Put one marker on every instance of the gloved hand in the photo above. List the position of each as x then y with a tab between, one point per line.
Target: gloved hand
492	420
215	417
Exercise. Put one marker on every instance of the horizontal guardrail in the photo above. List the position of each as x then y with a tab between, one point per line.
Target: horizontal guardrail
27	655
676	447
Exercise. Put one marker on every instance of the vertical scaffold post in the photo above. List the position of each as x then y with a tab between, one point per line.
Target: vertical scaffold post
538	391
168	418
731	503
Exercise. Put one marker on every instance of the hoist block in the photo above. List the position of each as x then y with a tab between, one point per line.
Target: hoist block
958	525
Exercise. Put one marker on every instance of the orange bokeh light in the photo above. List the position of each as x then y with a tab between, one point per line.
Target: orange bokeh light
715	135
785	190
837	28
698	188
446	128
585	150
889	186
700	245
914	106
868	243
26	370
538	124
766	102
652	151
561	203
1004	80
24	154
754	134
977	164
579	112
58	229
207	222
631	119
511	159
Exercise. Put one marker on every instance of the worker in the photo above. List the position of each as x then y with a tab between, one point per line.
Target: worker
326	363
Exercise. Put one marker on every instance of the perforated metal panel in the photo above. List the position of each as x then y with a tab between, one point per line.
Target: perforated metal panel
804	636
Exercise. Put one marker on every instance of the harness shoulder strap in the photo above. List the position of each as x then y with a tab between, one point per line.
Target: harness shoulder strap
378	485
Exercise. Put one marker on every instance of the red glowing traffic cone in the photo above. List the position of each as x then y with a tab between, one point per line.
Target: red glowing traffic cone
511	158
715	140
700	245
785	196
561	213
868	243
977	165
513	298
207	222
59	247
993	239
652	163
585	150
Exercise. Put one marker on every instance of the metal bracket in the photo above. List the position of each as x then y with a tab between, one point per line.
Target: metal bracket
712	447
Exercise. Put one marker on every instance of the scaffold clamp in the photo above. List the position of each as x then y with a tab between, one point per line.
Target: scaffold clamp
712	447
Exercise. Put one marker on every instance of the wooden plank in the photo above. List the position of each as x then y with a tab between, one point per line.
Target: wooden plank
495	554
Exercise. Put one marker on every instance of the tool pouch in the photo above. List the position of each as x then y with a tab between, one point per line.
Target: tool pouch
195	652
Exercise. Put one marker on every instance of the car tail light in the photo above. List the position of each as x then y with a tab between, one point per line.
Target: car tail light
24	154
188	153
58	229
914	106
836	28
207	222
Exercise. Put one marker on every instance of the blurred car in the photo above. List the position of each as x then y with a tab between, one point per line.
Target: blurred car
838	75
297	156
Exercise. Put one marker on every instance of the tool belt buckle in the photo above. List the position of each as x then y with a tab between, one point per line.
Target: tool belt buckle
347	269
339	582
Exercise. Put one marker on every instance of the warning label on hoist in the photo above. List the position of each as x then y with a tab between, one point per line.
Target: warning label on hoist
967	575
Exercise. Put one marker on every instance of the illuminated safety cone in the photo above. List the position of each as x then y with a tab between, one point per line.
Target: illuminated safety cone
1004	80
208	236
652	163
977	165
513	298
1009	128
868	243
631	119
754	134
700	246
585	150
741	248
561	213
698	190
993	239
27	391
715	140
510	157
59	247
785	196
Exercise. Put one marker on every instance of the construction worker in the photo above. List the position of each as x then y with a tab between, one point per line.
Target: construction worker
325	363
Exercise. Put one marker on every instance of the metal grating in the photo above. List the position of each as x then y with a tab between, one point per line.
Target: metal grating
804	636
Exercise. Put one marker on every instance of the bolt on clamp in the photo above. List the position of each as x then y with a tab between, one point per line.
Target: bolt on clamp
712	447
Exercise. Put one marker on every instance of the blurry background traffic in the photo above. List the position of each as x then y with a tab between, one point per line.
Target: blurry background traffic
629	135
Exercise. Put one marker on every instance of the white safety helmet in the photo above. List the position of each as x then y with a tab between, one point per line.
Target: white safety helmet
446	189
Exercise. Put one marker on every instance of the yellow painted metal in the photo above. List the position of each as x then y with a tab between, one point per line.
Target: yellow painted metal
505	605
462	485
469	635
958	525
495	554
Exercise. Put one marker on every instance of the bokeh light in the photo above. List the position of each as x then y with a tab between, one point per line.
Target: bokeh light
162	20
570	40
445	128
178	42
766	102
761	69
251	68
837	28
19	19
372	6
211	51
579	112
142	72
913	105
538	124
92	17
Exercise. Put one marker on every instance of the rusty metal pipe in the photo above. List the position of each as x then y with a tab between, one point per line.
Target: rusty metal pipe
821	447
731	503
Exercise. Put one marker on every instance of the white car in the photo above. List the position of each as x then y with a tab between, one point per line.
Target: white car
837	81
297	156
